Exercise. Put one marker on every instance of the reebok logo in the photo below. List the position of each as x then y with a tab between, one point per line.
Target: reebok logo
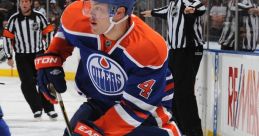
55	72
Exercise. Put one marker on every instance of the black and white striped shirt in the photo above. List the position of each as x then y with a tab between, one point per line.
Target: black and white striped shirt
184	30
248	26
27	34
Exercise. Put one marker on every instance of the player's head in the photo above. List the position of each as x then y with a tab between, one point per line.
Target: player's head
105	14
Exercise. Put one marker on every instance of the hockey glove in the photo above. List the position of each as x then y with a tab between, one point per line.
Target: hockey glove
50	76
87	129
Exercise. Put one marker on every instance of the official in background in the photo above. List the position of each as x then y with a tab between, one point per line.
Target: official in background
185	42
25	33
247	26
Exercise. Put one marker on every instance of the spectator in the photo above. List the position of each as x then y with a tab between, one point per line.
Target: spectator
67	2
37	7
2	18
186	48
25	31
247	27
55	13
12	9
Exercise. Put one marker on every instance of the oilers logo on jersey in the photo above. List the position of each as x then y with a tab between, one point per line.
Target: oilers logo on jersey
107	75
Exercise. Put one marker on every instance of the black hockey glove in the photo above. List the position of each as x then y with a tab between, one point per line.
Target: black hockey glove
50	76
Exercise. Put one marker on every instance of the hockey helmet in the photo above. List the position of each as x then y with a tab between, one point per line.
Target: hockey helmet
128	4
113	5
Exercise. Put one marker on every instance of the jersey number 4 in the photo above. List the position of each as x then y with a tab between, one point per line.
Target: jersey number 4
146	88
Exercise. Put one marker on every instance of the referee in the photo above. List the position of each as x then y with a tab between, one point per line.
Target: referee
247	26
25	34
185	41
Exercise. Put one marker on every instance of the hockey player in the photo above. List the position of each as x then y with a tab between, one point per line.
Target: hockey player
123	71
4	129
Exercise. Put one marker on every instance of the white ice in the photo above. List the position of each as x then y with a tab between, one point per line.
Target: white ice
19	117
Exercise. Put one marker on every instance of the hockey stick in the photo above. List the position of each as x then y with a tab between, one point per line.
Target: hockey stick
2	83
62	107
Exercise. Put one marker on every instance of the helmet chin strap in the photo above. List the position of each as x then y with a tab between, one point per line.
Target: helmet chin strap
115	23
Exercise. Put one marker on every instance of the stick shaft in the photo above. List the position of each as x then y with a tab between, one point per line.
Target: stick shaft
62	107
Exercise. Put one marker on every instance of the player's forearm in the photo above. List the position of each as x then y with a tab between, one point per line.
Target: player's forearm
61	47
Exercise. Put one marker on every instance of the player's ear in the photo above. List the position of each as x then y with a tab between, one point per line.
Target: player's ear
120	13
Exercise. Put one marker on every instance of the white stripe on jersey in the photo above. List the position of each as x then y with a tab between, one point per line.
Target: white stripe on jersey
168	97
60	35
142	105
125	116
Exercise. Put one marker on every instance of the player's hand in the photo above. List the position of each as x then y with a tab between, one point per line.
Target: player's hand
10	62
146	13
189	10
87	129
50	76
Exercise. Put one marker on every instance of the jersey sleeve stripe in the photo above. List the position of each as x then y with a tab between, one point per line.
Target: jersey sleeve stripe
140	104
162	116
168	97
169	77
60	35
126	117
172	129
169	87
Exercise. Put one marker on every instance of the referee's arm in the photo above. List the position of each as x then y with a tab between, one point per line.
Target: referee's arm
160	12
199	7
9	36
47	31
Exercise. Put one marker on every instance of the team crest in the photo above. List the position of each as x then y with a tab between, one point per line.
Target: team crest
106	75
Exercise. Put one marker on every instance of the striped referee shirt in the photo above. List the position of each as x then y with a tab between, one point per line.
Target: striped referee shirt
27	34
248	26
184	30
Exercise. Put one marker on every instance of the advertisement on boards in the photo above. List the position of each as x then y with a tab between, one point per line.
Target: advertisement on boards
240	95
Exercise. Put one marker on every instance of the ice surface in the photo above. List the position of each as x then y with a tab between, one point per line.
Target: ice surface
19	117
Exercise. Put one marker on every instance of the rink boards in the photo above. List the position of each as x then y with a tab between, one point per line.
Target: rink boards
227	90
